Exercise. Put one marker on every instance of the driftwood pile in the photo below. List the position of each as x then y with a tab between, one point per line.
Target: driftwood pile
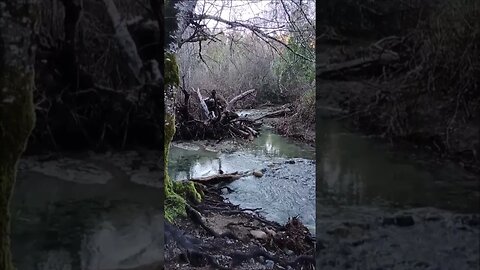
216	118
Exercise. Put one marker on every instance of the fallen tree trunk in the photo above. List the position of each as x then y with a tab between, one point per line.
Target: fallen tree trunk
341	69
203	106
217	178
125	40
281	112
234	100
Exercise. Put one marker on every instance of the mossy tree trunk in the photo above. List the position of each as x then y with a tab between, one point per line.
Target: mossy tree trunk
176	14
17	116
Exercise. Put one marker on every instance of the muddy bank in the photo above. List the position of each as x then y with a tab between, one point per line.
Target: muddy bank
379	238
233	238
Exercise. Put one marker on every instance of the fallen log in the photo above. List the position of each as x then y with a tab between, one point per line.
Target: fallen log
339	69
125	40
205	113
234	100
217	178
217	117
274	114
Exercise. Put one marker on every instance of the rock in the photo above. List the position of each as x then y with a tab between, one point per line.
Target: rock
270	232
388	221
401	221
431	217
258	234
257	173
269	264
472	221
288	252
404	221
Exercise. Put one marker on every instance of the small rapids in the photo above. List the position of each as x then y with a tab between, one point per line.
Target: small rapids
286	189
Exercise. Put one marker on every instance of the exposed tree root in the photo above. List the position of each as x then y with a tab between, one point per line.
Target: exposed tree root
198	253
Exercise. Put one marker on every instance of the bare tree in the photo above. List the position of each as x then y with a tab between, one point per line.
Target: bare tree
17	28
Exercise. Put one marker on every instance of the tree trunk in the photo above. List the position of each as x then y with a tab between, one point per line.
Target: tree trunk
125	40
17	116
177	16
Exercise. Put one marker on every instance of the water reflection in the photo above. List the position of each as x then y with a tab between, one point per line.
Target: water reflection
58	224
270	147
285	190
274	145
353	170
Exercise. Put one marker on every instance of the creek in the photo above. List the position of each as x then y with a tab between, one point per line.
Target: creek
286	189
382	207
103	211
357	170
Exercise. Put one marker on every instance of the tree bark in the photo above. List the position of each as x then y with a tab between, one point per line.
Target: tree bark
125	40
17	116
178	14
204	107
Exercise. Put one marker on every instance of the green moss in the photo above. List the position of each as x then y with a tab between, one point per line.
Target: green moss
187	190
175	192
172	77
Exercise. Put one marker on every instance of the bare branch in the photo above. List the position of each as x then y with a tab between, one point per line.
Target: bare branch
239	97
255	29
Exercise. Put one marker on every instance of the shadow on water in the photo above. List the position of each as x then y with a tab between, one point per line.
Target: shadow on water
354	170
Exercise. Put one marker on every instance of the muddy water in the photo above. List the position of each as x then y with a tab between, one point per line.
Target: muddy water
286	189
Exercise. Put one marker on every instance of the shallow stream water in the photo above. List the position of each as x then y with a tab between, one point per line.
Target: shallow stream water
357	170
286	189
380	207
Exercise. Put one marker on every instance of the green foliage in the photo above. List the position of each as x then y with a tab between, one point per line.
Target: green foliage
306	106
292	69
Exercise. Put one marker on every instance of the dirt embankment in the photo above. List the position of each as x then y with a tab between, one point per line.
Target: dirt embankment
416	84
